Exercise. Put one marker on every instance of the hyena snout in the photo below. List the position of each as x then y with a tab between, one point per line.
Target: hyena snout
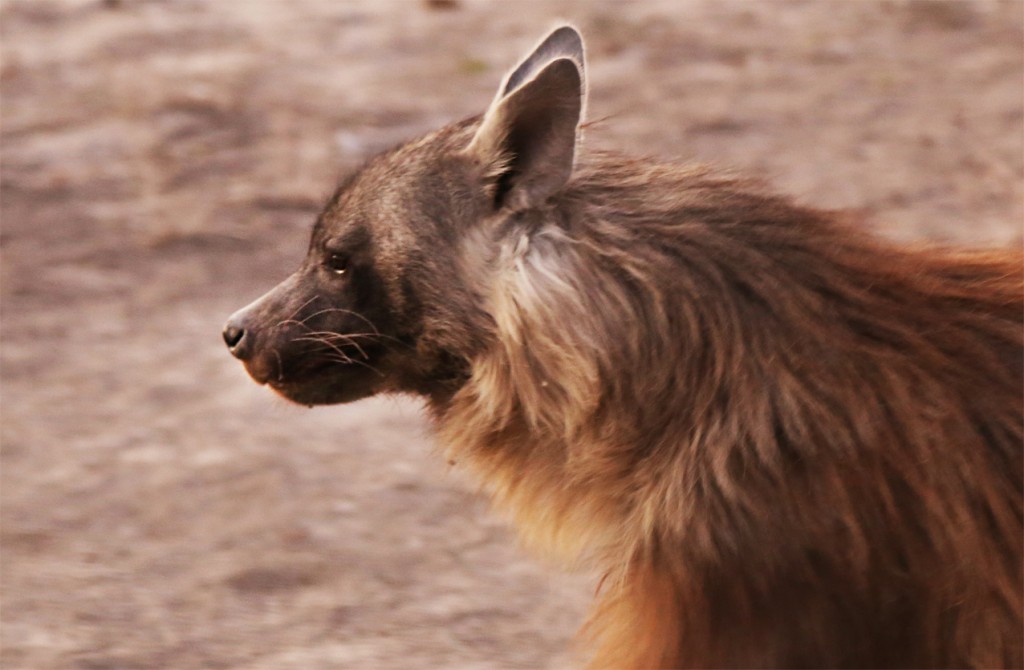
244	340
312	347
238	334
248	332
248	339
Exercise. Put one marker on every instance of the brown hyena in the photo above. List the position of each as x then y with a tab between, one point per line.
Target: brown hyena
782	441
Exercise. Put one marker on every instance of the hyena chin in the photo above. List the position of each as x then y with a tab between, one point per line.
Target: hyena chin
781	441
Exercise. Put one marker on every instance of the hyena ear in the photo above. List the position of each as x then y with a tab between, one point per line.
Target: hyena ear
563	42
527	138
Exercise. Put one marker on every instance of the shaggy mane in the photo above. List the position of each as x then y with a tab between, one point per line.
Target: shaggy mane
735	406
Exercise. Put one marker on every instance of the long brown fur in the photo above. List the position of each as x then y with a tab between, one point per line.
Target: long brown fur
783	442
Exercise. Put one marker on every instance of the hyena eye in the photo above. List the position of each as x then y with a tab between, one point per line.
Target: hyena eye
336	263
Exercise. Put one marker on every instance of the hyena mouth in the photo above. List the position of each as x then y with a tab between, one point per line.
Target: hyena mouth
320	377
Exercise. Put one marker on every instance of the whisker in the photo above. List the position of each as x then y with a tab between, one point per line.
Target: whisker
280	366
344	338
332	334
369	367
343	311
345	360
291	317
333	346
330	344
340	356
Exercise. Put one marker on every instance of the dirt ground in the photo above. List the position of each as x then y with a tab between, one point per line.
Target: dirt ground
161	165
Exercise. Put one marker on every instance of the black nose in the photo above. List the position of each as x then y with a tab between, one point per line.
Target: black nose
234	337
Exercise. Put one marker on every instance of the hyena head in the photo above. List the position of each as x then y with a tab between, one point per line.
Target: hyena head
389	297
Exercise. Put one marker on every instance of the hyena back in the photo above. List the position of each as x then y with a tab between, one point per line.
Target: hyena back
782	441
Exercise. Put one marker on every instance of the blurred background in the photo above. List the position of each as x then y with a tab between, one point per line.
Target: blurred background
161	164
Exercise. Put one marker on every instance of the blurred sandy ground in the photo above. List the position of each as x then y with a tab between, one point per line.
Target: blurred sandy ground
161	164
